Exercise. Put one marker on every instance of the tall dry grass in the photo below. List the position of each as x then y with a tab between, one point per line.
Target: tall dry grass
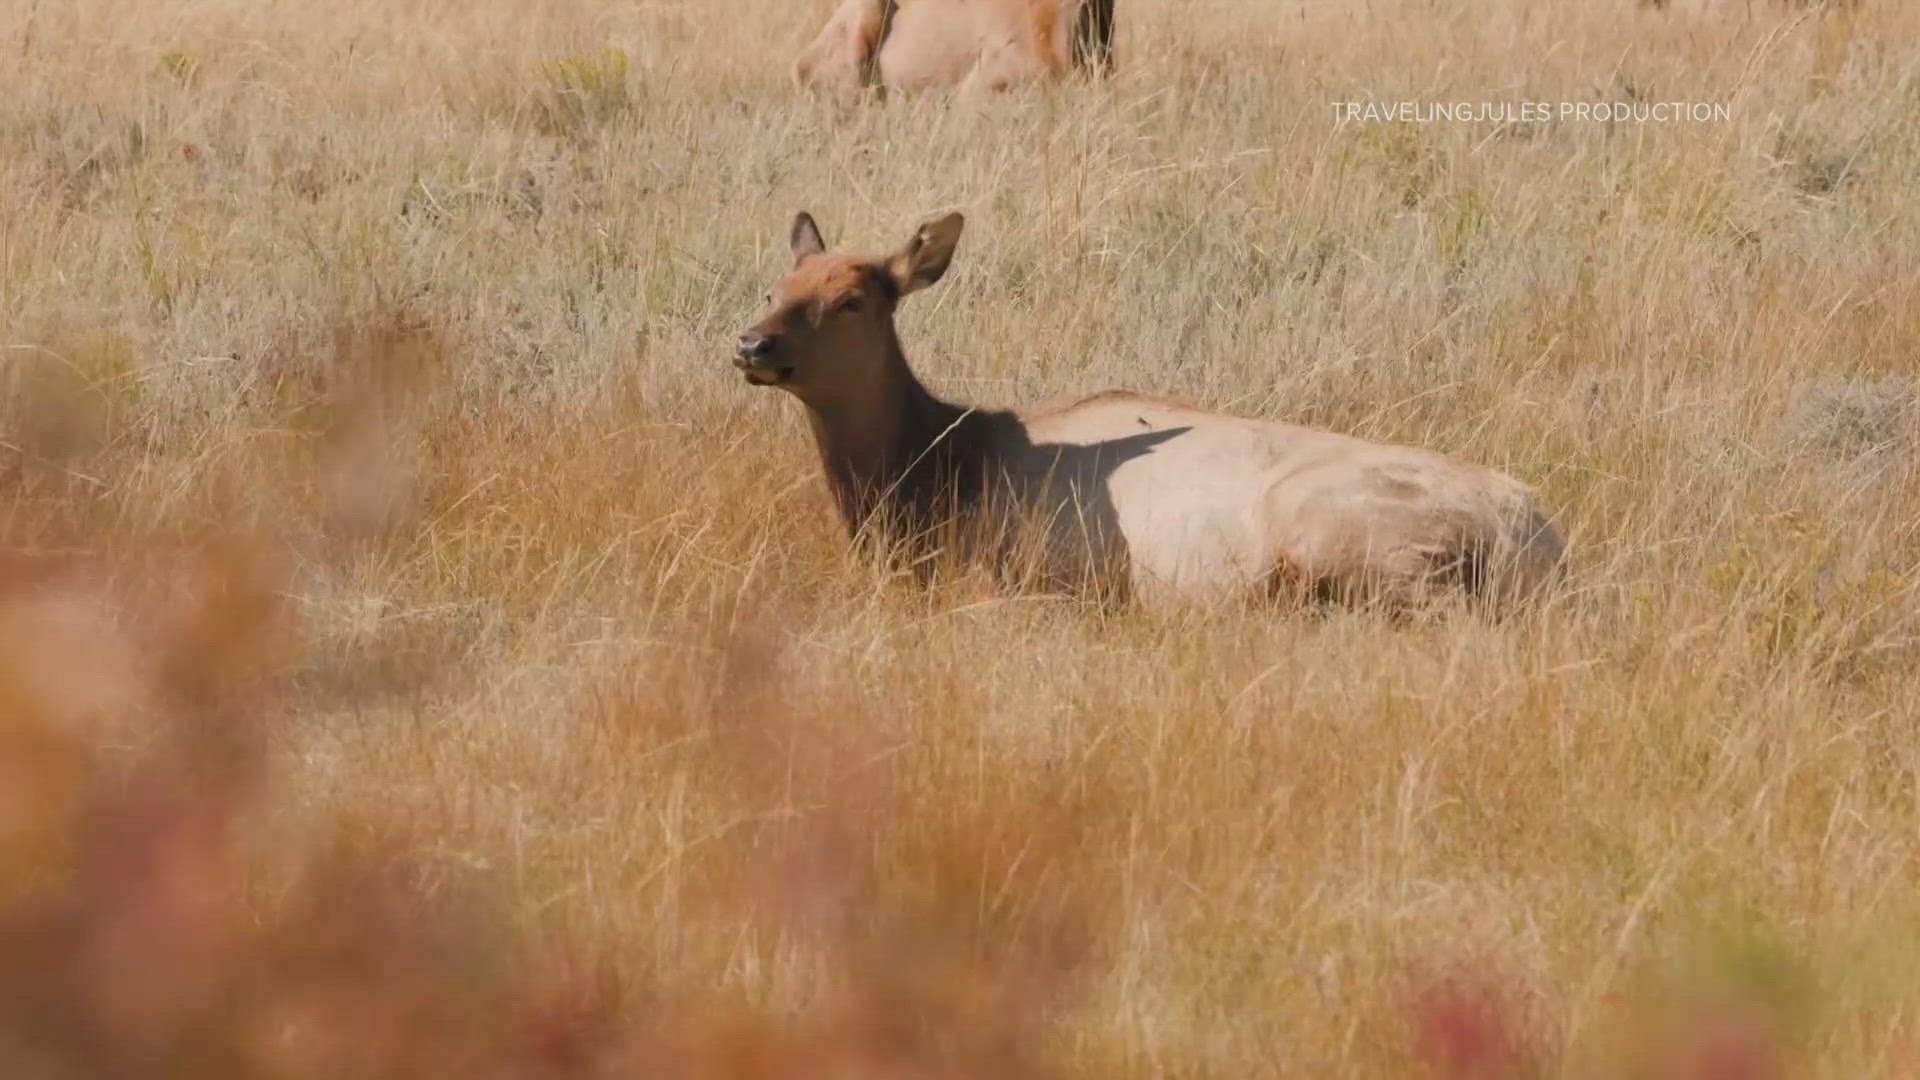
419	654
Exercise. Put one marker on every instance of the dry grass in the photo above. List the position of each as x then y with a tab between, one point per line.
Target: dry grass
422	309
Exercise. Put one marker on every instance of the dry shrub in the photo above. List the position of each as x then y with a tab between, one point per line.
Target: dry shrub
153	926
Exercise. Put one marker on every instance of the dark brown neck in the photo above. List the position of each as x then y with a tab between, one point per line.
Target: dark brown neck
1093	36
870	61
895	455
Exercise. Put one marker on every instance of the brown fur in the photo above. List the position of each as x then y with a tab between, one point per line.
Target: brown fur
1181	502
964	45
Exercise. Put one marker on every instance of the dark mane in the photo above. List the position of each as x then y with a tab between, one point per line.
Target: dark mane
1093	36
936	470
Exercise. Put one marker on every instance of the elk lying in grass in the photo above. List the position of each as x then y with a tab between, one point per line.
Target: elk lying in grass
962	45
1179	501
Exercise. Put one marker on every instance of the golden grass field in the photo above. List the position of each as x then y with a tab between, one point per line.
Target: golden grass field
421	655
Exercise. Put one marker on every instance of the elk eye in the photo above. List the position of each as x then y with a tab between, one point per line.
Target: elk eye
848	303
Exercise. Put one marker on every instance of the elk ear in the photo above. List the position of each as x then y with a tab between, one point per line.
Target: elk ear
925	258
804	239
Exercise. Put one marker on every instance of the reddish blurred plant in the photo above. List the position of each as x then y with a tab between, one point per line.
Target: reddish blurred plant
150	925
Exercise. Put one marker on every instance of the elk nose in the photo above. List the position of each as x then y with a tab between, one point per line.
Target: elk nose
753	346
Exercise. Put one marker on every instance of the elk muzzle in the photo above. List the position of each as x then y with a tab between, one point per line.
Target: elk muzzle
756	355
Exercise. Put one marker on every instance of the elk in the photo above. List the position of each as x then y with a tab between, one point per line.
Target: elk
968	46
1122	489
